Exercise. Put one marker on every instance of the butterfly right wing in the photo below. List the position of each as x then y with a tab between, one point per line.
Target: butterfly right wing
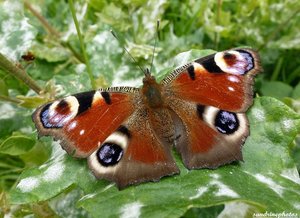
210	96
209	137
223	80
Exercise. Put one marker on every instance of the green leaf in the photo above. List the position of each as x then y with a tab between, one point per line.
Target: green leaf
14	119
206	212
50	54
266	180
65	204
111	14
31	101
56	175
16	34
105	55
3	88
296	92
97	4
276	89
181	59
16	145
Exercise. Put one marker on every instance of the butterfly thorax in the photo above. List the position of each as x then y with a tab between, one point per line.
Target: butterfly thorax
151	92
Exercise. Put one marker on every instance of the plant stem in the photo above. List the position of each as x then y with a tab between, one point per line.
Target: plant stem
10	99
19	73
87	63
277	69
52	31
75	53
44	22
218	14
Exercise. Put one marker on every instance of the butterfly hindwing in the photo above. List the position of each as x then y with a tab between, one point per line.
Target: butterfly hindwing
223	80
83	121
210	137
134	153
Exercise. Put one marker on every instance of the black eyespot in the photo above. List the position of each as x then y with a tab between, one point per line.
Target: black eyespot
109	154
226	122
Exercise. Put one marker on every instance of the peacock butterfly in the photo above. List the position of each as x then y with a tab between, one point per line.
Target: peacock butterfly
128	133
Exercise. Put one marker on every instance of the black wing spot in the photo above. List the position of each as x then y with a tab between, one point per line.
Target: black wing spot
106	97
210	65
85	101
226	122
200	110
191	72
62	104
124	130
109	154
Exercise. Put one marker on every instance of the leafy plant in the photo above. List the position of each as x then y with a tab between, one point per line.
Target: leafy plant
37	177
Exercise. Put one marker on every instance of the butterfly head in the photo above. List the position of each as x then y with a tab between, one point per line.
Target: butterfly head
151	91
149	80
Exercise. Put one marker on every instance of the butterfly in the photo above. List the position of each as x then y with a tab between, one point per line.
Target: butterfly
127	134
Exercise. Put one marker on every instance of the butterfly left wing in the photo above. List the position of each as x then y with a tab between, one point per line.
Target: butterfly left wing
83	121
134	153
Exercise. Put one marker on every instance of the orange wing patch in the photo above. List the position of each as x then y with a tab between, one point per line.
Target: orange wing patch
144	157
88	130
83	121
223	90
223	80
201	145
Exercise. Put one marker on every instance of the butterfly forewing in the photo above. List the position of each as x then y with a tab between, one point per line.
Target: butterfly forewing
83	121
223	80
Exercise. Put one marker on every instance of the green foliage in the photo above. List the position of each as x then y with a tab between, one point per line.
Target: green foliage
16	145
38	178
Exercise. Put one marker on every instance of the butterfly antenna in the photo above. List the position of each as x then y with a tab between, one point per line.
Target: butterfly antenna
133	59
155	42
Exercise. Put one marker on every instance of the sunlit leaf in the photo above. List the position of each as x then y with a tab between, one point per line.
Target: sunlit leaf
16	34
276	89
16	145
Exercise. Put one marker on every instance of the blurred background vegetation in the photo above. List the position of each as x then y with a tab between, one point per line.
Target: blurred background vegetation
45	29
